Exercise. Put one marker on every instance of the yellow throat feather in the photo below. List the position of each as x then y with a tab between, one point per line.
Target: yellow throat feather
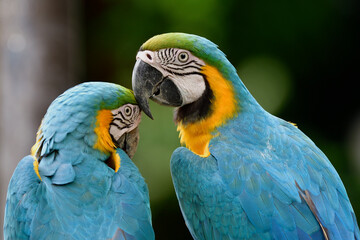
196	136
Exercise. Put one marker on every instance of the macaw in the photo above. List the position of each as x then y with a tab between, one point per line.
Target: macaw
79	181
243	173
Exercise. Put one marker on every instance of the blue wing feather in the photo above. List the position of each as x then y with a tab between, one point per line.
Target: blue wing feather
22	188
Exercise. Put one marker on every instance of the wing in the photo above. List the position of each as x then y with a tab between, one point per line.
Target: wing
308	173
29	214
31	205
243	191
202	195
320	186
21	202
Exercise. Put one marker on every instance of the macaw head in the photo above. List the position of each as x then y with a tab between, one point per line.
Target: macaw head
190	73
97	118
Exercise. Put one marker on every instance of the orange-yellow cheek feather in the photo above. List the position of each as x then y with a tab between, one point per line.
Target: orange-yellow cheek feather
104	142
116	159
196	136
34	150
36	168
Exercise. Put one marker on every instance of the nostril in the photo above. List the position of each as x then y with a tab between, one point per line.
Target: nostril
149	56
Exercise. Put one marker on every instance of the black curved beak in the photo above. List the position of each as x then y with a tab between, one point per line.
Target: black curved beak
148	82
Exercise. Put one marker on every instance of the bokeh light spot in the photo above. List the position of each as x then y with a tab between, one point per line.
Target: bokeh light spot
268	80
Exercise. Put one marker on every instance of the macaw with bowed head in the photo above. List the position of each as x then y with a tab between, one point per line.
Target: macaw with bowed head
79	181
244	173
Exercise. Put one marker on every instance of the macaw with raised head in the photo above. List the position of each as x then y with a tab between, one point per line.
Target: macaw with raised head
79	181
244	173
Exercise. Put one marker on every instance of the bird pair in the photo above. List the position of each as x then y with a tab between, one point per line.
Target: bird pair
244	173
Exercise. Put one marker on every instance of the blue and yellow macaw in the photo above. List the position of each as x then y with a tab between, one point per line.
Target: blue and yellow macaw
244	173
79	181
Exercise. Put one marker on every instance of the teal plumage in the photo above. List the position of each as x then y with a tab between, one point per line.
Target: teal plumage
78	196
263	178
247	187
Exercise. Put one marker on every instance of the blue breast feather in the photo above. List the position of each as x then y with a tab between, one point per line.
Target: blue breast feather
253	184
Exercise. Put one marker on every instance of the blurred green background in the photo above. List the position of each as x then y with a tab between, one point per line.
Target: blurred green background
300	59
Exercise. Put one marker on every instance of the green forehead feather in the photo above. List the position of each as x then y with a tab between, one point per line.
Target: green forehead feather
169	40
119	97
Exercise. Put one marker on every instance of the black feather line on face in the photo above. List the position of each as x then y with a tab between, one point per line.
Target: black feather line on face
183	74
118	127
183	68
188	63
197	110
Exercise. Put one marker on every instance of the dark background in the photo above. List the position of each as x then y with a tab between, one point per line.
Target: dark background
300	59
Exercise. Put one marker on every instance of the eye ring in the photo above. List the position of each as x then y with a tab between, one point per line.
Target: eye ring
183	56
128	111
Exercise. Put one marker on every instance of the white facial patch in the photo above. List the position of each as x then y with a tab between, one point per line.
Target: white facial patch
125	119
182	67
191	87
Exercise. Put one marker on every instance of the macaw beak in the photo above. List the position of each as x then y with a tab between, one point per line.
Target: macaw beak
148	82
129	142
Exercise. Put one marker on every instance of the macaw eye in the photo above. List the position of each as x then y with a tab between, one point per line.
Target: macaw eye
183	57
128	111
